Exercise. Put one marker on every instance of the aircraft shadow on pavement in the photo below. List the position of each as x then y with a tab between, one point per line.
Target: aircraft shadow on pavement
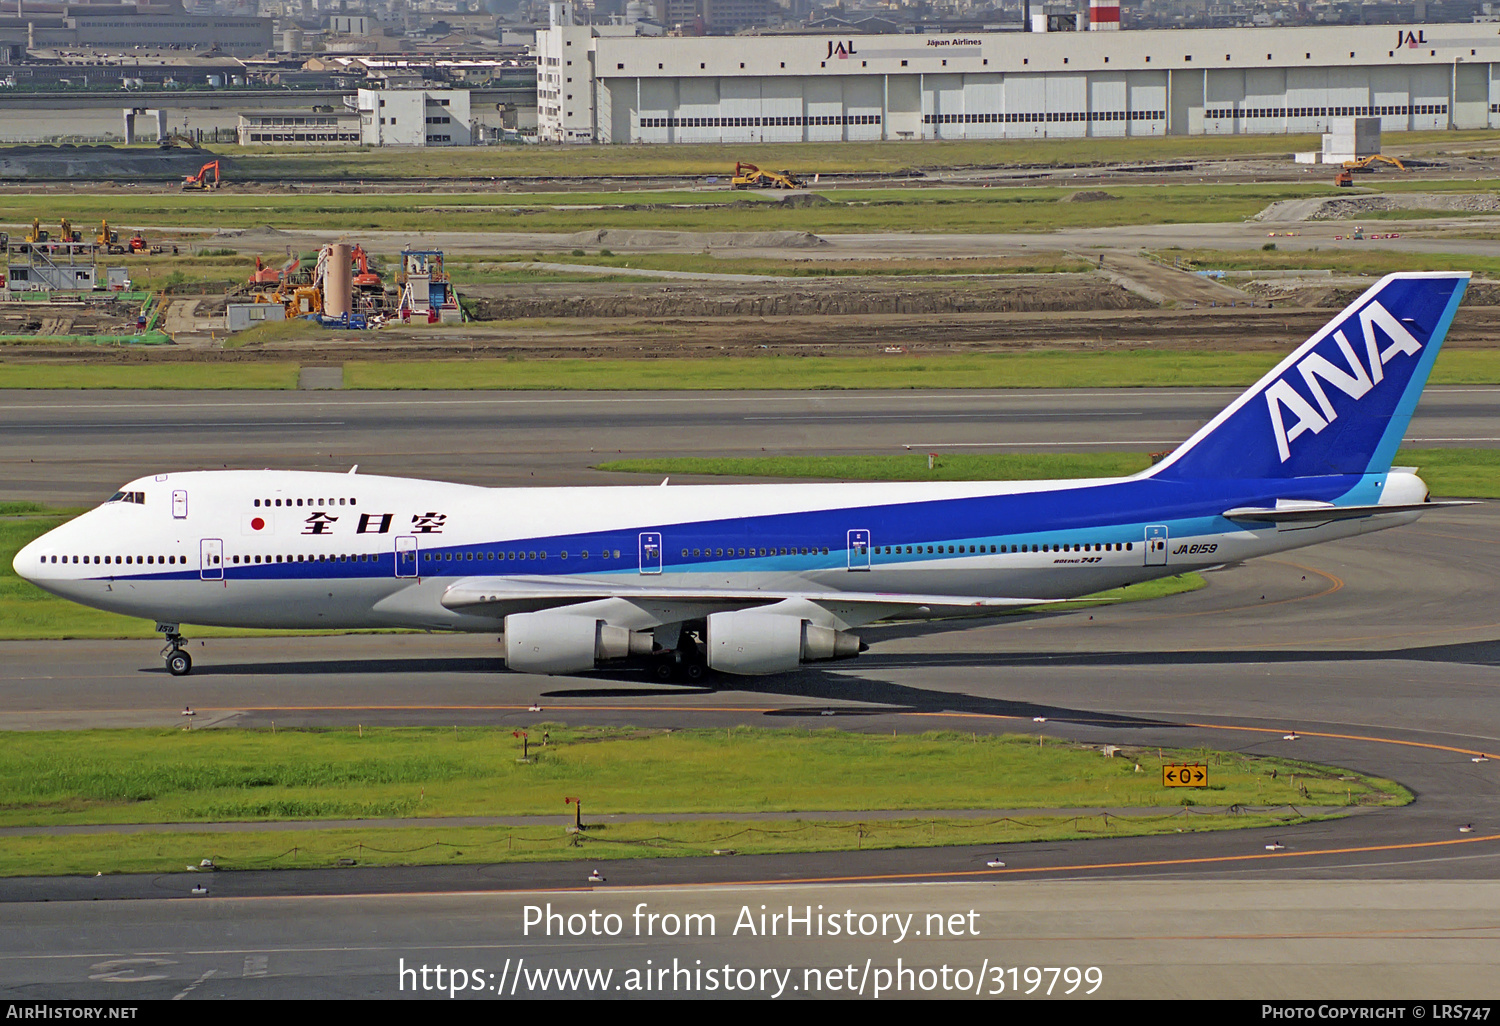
1474	653
812	690
406	665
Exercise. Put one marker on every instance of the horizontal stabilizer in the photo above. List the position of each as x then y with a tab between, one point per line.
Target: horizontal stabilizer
1322	512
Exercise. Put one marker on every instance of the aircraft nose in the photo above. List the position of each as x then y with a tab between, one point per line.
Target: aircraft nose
28	562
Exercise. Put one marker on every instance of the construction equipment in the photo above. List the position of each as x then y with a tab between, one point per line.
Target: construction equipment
108	239
138	244
1344	179
267	275
66	232
366	280
37	235
748	176
1368	163
200	180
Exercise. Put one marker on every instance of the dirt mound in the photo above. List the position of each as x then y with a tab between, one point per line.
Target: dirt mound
805	199
265	231
1088	196
804	297
627	239
1337	293
71	162
1343	208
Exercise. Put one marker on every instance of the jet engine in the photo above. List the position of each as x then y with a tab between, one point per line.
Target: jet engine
750	642
558	642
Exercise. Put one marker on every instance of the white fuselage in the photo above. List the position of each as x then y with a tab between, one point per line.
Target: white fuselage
283	549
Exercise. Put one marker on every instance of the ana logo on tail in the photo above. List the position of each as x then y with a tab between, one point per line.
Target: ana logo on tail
1355	381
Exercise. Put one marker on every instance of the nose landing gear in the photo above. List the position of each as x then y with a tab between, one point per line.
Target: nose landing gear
179	663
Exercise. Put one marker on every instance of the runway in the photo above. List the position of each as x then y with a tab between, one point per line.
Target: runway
70	447
1381	653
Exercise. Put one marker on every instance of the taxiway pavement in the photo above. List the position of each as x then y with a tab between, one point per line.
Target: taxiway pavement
1381	653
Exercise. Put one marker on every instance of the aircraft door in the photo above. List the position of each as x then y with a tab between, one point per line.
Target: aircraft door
859	549
211	559
179	504
1156	545
650	552
406	556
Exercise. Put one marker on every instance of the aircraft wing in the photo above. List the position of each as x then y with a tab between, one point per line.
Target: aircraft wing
499	596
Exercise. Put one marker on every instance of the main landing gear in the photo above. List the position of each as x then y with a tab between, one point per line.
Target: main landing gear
179	663
685	663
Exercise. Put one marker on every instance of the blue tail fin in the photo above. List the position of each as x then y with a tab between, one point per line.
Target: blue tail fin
1340	403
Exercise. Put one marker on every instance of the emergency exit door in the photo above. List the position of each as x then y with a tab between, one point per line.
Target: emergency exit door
1156	545
859	549
211	559
406	556
650	552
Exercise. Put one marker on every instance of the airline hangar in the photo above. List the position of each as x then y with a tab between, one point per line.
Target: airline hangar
606	84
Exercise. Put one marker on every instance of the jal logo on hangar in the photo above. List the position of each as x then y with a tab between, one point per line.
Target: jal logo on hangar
1411	40
843	51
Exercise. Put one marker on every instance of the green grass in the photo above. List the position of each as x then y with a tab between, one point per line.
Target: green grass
178	776
892	209
88	854
295	330
425	774
154	375
1348	258
803	158
1468	473
1456	473
1031	369
477	271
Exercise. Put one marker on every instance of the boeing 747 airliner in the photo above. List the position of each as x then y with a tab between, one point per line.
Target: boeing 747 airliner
756	579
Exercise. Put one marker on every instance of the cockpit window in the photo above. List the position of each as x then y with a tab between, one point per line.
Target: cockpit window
139	498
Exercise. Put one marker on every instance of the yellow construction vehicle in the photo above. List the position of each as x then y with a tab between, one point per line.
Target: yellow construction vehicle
299	300
748	176
108	239
67	234
1369	162
38	234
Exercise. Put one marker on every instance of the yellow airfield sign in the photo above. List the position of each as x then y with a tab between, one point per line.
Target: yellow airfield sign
1184	775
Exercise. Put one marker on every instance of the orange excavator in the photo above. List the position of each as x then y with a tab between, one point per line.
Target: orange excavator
200	180
366	280
268	275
